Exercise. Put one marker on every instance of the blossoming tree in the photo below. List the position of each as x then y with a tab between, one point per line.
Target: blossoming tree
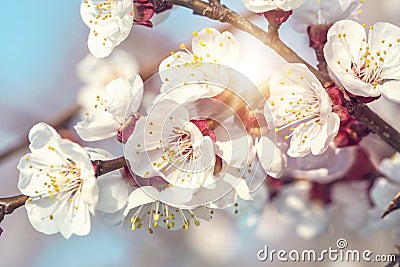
211	138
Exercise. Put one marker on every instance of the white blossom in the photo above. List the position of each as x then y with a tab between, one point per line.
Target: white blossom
109	21
365	66
145	202
165	143
266	5
113	189
59	179
213	54
299	106
184	151
96	73
120	101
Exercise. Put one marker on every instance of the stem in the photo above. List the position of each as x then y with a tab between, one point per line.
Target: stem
271	39
9	204
106	166
215	2
319	52
375	123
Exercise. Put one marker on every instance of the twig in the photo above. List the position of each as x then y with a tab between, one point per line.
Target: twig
215	2
319	52
394	205
375	123
106	166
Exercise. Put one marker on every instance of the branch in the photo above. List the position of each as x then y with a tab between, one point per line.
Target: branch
271	39
105	166
375	123
394	205
9	204
215	2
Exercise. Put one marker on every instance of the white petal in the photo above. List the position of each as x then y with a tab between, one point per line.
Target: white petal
210	44
381	35
98	153
391	167
352	41
240	185
271	157
137	93
78	223
390	90
41	135
141	196
261	6
39	212
329	130
118	94
299	145
98	125
113	192
228	151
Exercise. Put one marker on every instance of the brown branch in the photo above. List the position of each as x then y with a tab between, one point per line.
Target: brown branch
215	2
9	204
394	205
106	166
319	52
375	123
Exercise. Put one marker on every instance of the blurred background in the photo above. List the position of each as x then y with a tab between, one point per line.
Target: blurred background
42	43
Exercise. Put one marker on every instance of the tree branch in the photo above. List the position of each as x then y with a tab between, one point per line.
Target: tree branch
375	123
105	166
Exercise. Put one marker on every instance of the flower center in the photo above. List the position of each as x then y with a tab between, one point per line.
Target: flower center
369	66
161	213
104	9
298	109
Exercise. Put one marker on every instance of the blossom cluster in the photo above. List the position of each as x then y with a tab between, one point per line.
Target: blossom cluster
211	139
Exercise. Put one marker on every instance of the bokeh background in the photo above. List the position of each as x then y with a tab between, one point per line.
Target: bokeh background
41	44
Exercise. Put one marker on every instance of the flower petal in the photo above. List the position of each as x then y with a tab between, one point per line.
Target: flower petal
97	125
271	157
113	192
390	90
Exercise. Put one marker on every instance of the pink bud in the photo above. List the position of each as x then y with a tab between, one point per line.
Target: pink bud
143	11
317	34
277	16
